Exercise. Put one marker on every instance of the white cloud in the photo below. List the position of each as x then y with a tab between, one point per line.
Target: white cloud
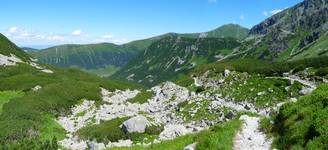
77	32
242	17
13	29
212	1
265	13
108	36
273	12
24	36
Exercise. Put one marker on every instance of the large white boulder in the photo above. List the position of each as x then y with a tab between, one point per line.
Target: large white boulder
136	124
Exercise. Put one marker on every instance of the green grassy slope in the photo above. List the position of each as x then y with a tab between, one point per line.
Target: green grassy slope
304	124
27	120
210	139
174	55
102	59
7	48
22	119
230	30
6	96
87	56
97	57
315	49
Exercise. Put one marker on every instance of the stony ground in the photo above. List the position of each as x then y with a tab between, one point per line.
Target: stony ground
179	110
250	137
13	60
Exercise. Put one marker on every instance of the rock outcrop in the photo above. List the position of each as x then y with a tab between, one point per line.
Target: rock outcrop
136	124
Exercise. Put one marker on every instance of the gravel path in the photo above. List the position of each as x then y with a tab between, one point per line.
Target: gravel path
250	137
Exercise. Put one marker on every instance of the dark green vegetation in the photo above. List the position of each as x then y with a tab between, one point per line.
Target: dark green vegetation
254	66
7	48
174	55
103	72
294	34
212	138
102	59
6	96
50	129
225	31
111	131
94	56
258	90
316	49
142	97
292	40
29	50
23	119
27	120
304	124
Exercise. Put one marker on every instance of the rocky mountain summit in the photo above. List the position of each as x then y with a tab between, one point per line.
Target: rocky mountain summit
288	33
308	15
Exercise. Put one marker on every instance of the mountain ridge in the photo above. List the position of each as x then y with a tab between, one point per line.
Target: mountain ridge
285	35
105	59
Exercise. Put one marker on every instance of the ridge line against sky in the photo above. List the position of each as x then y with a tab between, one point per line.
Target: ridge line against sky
39	22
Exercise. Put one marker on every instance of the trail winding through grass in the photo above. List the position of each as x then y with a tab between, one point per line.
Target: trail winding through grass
250	137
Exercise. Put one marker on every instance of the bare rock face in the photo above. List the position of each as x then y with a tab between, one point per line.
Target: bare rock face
308	16
136	124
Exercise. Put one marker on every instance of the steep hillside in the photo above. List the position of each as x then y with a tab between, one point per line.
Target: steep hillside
87	57
105	59
174	55
32	95
288	33
29	49
317	48
7	48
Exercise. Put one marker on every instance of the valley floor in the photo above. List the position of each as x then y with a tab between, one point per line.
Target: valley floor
178	114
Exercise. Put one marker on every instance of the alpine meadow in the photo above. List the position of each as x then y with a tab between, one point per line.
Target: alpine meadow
164	75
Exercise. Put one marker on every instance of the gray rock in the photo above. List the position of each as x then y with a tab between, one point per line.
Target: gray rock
96	146
173	131
247	107
226	72
191	147
136	124
230	115
305	91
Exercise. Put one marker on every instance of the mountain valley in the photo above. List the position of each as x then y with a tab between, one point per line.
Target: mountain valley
231	88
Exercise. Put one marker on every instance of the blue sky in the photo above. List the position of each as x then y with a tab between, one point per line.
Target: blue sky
51	22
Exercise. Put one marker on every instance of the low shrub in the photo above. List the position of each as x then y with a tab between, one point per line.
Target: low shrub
142	97
304	124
